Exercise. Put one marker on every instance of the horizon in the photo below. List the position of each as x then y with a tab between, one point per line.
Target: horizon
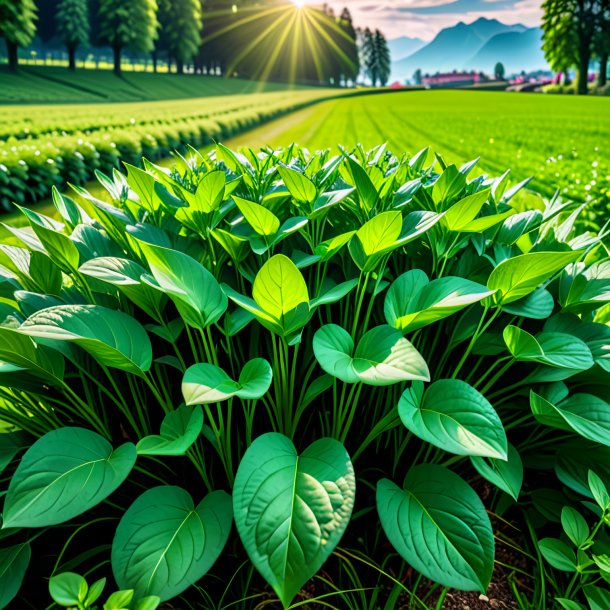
424	19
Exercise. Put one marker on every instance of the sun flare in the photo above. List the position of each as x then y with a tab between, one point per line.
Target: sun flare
298	3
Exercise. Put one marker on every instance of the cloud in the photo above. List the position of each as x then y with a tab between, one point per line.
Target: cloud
424	18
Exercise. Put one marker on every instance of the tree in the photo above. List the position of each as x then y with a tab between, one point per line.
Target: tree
128	23
601	42
369	56
17	26
348	45
499	71
569	28
73	26
417	76
180	28
384	58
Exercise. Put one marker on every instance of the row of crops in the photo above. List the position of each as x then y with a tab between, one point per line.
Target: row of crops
48	145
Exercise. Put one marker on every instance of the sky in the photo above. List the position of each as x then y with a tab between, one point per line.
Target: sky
424	18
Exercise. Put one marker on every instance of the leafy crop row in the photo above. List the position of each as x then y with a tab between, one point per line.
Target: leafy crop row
43	148
333	353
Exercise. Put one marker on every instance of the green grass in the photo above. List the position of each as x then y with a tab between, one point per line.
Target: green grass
50	85
560	140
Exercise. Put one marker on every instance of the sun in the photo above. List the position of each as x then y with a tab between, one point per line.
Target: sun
298	3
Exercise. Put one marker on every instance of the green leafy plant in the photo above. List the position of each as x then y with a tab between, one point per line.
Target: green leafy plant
310	346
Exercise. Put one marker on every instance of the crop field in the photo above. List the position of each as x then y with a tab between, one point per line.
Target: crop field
47	85
556	139
46	145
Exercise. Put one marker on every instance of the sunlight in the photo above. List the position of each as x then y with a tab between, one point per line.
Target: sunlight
298	3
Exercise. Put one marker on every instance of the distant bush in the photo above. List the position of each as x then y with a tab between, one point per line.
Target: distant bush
358	359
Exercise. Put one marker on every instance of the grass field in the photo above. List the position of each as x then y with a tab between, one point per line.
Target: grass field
48	85
557	139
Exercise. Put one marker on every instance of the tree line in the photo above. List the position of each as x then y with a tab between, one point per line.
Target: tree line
575	32
270	40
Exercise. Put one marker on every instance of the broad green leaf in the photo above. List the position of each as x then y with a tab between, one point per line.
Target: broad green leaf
68	589
119	600
383	356
237	247
583	289
574	525
367	193
461	214
179	430
558	554
143	185
291	510
413	301
112	337
569	604
504	474
537	305
334	294
327	200
585	414
192	288
67	208
14	562
209	194
552	349
263	221
515	278
599	491
574	460
206	383
327	249
126	276
375	238
598	598
11	443
64	474
452	415
454	545
300	186
22	351
164	543
448	186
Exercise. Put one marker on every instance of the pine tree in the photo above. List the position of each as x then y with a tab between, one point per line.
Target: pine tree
383	57
369	56
72	19
17	26
181	26
349	44
128	23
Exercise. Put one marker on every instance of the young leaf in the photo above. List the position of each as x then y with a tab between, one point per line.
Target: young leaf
68	589
14	562
452	415
179	430
375	238
367	193
454	545
516	277
504	474
413	301
164	543
290	510
263	221
461	214
599	491
206	383
62	475
558	554
300	186
119	600
193	289
598	598
574	525
112	337
383	356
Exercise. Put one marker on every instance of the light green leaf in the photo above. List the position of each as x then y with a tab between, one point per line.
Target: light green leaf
413	301
263	221
454	545
143	185
206	383
179	430
504	474
516	277
164	543
599	490
209	194
334	294
64	474
14	563
448	186
383	356
375	238
552	349
290	510
327	249
68	589
452	415
192	288
574	525
367	193
461	214
112	337
585	414
119	600
558	554
300	186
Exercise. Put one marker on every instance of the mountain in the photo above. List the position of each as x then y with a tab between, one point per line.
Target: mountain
516	50
404	46
452	47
